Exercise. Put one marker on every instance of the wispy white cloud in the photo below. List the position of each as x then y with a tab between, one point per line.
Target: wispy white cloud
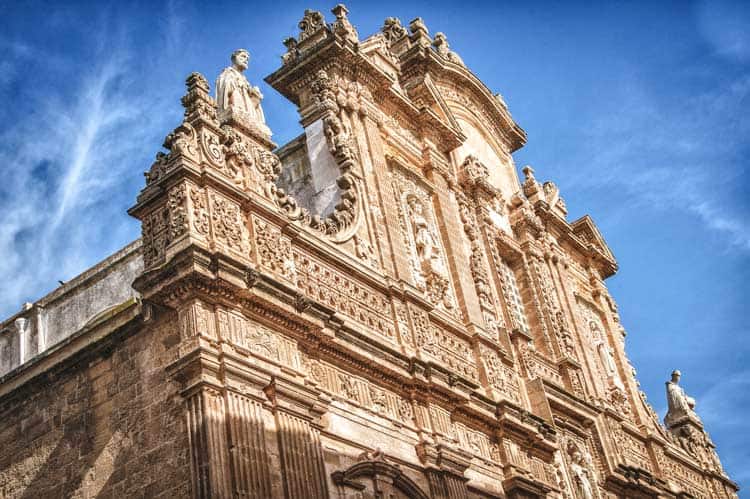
684	157
736	228
724	25
73	160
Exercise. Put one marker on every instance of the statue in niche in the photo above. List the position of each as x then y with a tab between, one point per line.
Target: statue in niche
606	355
583	478
424	239
236	97
679	405
567	339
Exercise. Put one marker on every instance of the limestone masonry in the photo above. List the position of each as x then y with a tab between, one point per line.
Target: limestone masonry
378	309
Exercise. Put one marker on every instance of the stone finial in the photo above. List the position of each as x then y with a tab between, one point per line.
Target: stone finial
528	172
292	52
419	33
312	21
417	25
340	11
554	199
440	42
441	47
392	29
196	81
531	187
341	26
197	101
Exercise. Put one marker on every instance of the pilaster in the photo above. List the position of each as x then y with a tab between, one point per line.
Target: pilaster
297	410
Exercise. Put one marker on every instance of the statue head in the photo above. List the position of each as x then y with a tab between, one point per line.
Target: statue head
415	204
240	59
676	376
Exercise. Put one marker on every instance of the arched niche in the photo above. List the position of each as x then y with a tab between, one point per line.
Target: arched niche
375	477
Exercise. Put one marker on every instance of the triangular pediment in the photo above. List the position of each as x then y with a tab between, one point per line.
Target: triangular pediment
425	94
586	229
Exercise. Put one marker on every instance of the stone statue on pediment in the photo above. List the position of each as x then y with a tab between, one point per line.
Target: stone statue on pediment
679	405
235	97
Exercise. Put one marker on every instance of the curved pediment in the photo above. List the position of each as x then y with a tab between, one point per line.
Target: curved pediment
375	477
460	90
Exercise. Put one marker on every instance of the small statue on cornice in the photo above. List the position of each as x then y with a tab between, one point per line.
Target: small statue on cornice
679	405
440	42
235	97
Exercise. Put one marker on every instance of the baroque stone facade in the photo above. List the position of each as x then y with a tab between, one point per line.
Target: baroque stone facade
379	308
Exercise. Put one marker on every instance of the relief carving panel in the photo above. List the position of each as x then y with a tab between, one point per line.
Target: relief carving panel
260	340
445	347
422	241
358	391
356	300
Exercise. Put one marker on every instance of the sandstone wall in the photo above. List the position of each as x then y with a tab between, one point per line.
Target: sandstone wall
106	423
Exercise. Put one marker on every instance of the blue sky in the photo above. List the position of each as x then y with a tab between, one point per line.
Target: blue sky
638	111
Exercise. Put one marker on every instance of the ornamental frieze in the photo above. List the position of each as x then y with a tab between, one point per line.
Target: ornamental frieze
354	299
353	390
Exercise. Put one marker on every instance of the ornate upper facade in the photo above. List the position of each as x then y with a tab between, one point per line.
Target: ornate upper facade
379	308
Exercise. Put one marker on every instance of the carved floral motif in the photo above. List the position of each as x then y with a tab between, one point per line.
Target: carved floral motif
274	249
347	296
200	216
451	351
501	377
261	341
351	389
227	224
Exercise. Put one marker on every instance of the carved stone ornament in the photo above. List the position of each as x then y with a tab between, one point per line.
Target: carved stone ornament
312	22
440	43
392	29
182	142
342	224
341	26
